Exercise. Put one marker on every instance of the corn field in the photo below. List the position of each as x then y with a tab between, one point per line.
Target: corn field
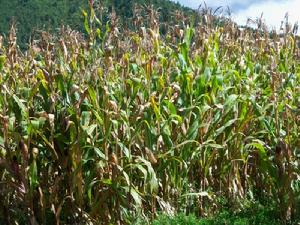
116	124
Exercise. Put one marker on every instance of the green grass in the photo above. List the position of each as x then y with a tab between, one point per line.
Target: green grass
222	219
250	214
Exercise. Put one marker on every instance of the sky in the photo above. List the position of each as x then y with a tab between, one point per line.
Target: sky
273	10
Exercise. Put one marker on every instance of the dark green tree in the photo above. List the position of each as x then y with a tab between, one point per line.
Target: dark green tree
32	15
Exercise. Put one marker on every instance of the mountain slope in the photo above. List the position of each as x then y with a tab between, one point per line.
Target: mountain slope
51	14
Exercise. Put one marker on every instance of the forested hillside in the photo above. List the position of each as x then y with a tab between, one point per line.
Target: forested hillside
31	15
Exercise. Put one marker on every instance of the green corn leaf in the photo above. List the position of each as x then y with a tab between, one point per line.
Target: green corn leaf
2	61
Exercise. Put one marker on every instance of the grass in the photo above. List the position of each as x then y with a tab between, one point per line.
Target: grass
221	219
252	213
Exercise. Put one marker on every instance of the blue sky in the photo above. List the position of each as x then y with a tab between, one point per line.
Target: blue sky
273	10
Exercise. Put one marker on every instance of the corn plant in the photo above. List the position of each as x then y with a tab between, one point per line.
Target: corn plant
115	124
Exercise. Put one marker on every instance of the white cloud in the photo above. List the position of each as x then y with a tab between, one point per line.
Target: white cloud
273	10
